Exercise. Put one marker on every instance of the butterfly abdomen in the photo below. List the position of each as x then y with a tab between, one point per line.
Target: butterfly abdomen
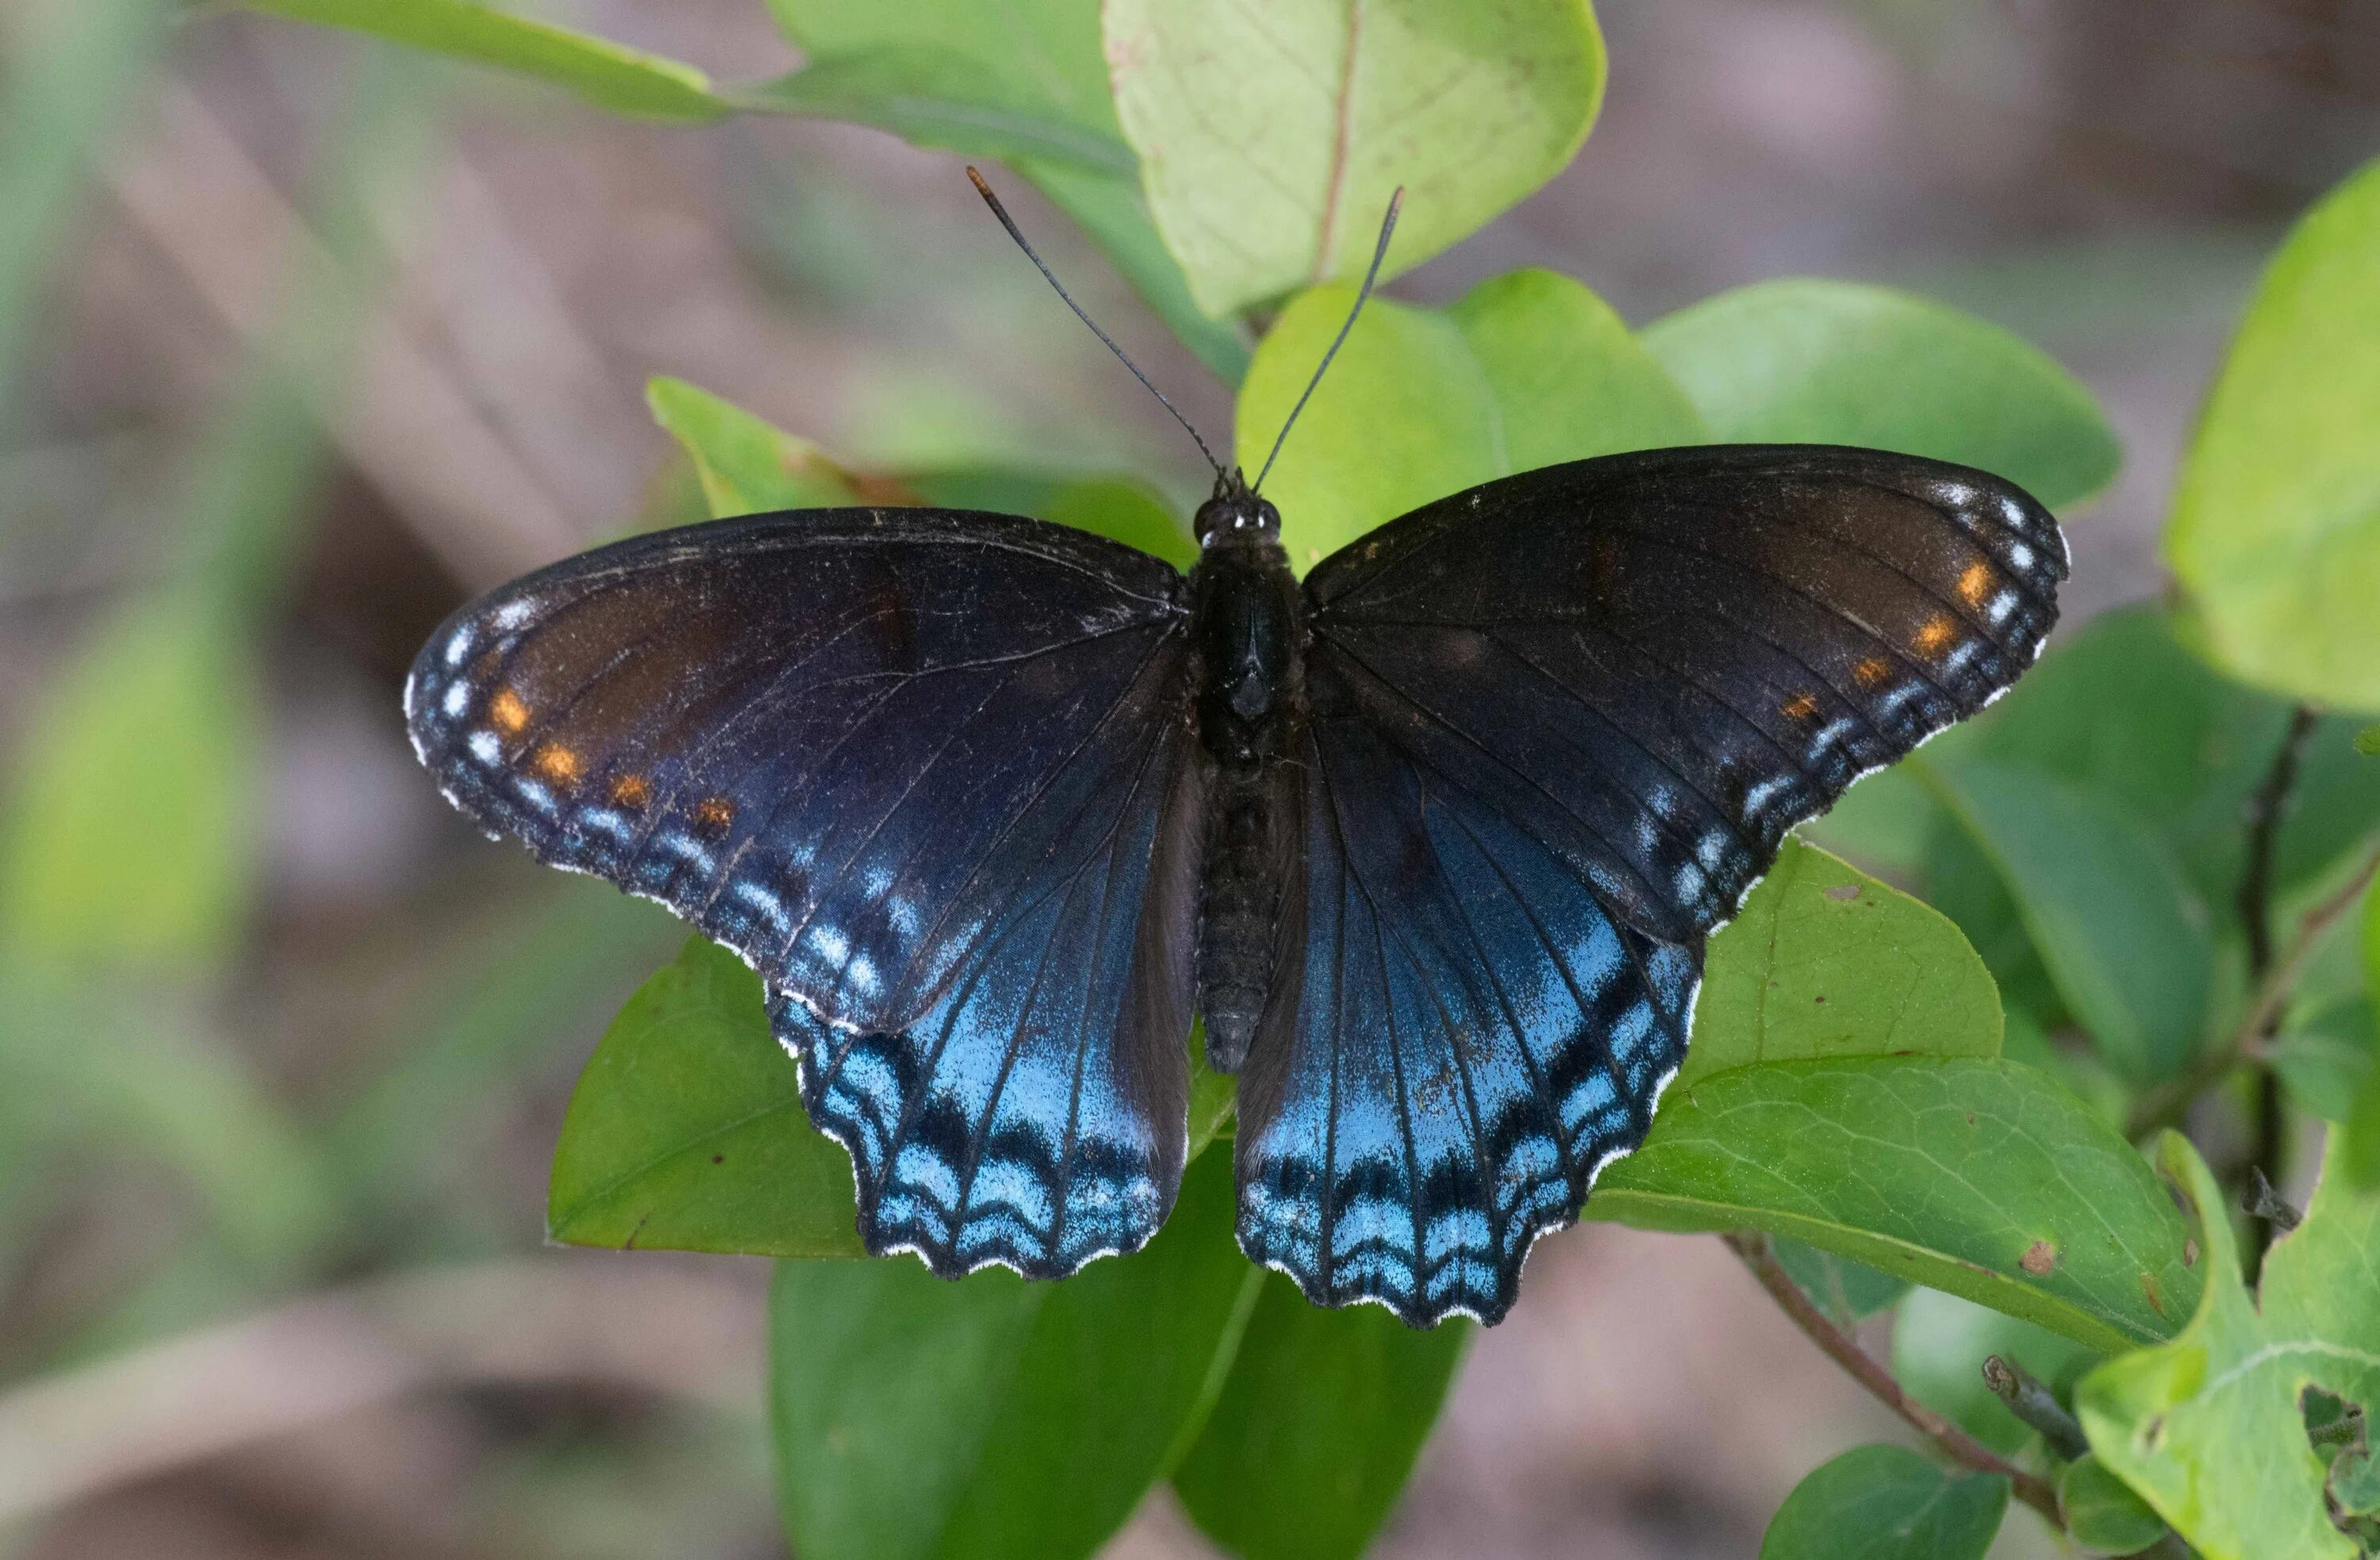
1247	623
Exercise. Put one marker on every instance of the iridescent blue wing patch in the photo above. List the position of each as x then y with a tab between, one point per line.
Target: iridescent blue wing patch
912	765
1562	723
1469	1035
1035	1115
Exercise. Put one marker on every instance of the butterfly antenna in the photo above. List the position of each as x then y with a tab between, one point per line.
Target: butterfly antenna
1014	232
1380	252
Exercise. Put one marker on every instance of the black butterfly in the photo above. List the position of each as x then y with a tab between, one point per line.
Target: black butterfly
1432	841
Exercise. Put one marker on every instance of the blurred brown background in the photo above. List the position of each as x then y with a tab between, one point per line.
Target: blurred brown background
2101	177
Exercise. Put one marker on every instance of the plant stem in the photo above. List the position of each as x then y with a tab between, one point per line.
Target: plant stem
2029	1400
1845	1351
2270	800
2269	1134
2165	1105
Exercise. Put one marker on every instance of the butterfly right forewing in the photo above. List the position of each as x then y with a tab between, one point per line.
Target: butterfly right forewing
1559	725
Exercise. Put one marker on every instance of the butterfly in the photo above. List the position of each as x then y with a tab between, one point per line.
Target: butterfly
1433	840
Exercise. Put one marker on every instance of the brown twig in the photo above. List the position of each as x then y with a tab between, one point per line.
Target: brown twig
1845	1351
2029	1400
2164	1106
2268	1139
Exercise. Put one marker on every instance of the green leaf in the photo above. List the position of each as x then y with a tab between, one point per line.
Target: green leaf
1029	71
2210	1427
2324	1056
2276	526
2367	741
1528	370
606	74
747	466
129	838
994	1417
1823	960
1939	1344
2122	934
1317	1428
2359	1156
1886	820
2123	709
1847	1291
940	98
1887	1502
2103	1514
1119	509
1271	139
1803	361
687	1129
1983	1178
1113	210
2354	1483
1048	50
1214	1096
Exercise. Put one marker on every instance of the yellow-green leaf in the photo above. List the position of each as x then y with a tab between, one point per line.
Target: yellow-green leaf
2275	526
606	74
1824	960
1270	138
747	465
1529	369
2210	1427
1808	361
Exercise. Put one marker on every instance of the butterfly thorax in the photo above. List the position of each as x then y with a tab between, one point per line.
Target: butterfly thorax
1249	624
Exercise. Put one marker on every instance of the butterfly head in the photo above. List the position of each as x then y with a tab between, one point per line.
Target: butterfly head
1235	513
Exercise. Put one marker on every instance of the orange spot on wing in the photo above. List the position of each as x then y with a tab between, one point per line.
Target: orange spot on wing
1801	707
1936	636
556	763
631	790
1975	583
713	814
507	711
1874	672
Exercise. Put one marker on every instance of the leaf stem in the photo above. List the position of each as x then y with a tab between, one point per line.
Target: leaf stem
2029	1400
1845	1351
2166	1105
